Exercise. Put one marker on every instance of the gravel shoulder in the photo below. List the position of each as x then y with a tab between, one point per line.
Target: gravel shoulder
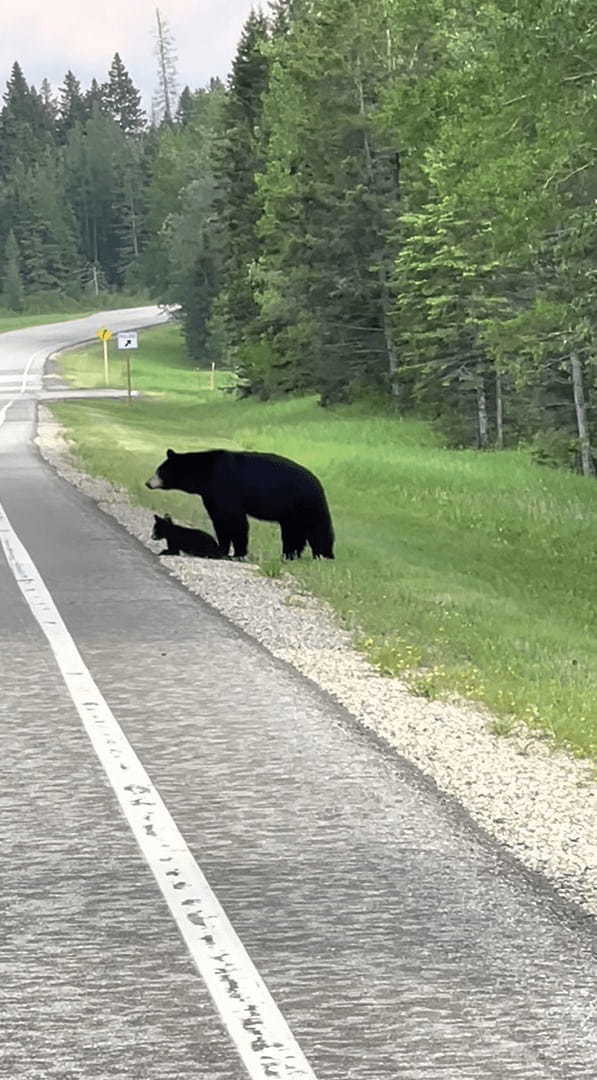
539	802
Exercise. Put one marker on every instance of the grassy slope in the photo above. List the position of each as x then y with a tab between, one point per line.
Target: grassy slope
476	572
10	320
21	322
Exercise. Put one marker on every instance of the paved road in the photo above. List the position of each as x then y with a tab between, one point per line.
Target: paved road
395	942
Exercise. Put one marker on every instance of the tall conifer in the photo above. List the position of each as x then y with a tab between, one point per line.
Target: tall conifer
123	100
13	285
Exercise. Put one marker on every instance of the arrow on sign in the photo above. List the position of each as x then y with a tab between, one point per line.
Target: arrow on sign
128	340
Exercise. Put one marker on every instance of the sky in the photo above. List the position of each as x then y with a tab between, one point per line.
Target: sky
48	37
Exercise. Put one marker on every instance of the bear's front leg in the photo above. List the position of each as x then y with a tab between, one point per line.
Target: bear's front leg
226	529
240	537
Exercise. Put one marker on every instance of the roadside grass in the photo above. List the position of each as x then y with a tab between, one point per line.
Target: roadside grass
465	573
11	321
73	309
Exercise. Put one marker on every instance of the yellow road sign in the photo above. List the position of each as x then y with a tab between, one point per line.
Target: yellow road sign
104	334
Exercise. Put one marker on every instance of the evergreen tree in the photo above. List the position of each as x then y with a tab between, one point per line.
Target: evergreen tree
94	182
241	157
185	107
24	129
330	193
182	261
49	256
49	106
72	107
122	100
13	286
96	97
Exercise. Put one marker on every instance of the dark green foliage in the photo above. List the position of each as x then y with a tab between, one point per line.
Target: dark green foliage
240	157
12	291
25	124
95	98
182	260
121	100
185	107
328	193
73	109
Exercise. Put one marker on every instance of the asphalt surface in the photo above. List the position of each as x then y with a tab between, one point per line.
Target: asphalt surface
396	941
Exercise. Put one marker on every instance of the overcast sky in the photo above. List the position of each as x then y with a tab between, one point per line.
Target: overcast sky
48	37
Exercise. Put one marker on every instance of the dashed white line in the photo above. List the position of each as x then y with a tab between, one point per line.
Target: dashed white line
23	387
262	1037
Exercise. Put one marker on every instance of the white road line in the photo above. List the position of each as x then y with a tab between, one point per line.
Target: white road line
5	408
260	1033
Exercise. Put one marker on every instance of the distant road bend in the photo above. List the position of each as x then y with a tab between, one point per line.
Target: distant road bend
207	869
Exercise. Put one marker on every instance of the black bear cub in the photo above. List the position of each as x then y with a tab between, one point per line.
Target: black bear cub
179	538
234	484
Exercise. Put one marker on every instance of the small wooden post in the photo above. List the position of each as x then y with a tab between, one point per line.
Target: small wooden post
128	376
212	381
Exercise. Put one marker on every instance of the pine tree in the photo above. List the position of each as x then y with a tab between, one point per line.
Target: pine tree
241	157
122	100
72	107
49	256
330	192
182	261
96	97
49	105
165	96
185	108
13	286
94	183
24	129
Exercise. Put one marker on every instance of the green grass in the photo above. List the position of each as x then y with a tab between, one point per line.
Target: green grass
10	320
21	322
471	573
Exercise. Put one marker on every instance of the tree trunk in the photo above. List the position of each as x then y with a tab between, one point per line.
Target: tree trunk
499	412
482	416
584	440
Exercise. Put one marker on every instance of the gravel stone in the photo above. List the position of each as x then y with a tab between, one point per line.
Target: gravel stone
538	801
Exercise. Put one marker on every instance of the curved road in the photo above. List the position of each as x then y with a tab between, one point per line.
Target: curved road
155	764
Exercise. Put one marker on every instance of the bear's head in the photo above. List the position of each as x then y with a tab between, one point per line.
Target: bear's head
166	474
161	527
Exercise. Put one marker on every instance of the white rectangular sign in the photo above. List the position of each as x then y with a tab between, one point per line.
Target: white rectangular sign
128	340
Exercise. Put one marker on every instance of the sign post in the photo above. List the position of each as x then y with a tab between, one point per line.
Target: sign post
105	336
128	341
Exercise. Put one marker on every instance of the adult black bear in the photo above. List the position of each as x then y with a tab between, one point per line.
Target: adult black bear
234	483
179	538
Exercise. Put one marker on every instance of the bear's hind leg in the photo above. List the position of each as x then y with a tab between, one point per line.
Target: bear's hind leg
293	539
321	539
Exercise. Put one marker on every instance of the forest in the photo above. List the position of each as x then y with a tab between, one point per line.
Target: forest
386	200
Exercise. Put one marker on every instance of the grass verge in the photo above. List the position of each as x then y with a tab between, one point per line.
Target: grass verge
21	322
470	573
10	320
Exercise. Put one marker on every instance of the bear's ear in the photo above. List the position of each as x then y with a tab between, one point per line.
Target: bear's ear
170	453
